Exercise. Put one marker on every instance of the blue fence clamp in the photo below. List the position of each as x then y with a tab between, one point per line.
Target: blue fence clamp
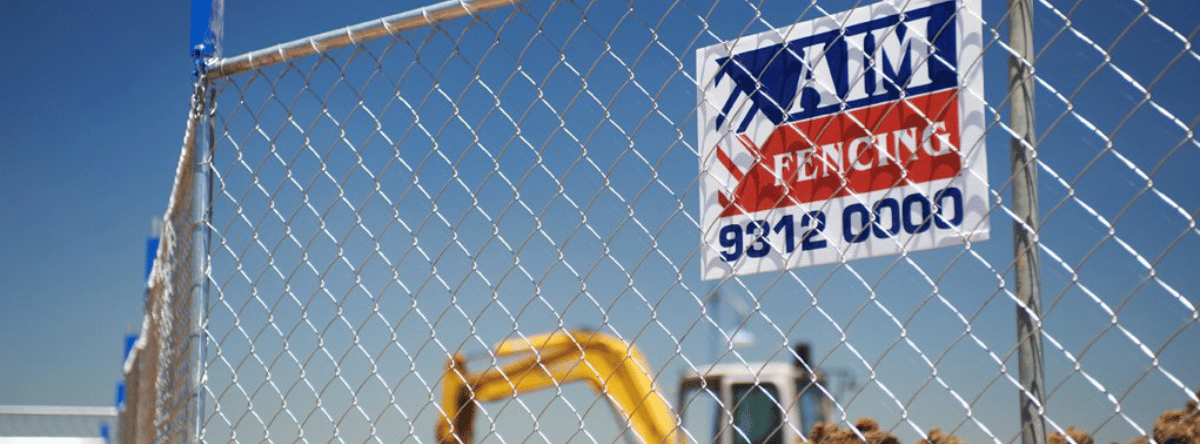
119	396
151	251
202	41
130	342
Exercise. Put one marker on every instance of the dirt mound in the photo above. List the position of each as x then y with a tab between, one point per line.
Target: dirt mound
1172	427
868	428
1073	436
936	436
1179	426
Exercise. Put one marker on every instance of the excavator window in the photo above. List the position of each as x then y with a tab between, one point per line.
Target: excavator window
810	397
757	417
700	411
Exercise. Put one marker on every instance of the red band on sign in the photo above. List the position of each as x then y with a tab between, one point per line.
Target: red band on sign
911	141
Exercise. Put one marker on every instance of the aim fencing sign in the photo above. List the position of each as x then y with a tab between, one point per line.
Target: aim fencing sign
849	136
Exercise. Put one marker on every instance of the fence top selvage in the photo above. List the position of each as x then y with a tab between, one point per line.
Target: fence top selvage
351	35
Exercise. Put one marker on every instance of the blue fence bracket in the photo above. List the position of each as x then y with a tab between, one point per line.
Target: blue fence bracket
204	40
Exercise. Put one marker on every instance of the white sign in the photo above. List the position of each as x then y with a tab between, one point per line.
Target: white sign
849	136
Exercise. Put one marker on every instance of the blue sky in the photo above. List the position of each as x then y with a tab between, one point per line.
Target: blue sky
98	95
93	126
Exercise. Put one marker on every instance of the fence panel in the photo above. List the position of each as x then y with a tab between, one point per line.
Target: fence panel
378	208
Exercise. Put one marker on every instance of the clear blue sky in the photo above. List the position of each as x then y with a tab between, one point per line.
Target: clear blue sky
93	93
95	97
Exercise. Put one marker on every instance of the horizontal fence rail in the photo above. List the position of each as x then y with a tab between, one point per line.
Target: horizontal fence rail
363	32
18	422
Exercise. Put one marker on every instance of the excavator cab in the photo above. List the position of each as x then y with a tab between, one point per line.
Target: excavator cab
755	403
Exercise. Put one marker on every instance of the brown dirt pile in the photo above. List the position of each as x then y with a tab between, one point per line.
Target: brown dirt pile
1074	436
1179	426
832	434
869	429
937	437
1172	427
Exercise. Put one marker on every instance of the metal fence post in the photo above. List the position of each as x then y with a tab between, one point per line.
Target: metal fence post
206	33
1025	207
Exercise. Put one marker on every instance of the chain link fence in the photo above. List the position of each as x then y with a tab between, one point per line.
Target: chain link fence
375	201
159	399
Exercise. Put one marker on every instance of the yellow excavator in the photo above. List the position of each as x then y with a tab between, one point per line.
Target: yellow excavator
755	403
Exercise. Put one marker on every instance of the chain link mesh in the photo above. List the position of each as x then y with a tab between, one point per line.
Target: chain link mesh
378	208
159	402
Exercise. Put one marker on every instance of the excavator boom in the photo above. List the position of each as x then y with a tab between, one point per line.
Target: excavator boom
612	367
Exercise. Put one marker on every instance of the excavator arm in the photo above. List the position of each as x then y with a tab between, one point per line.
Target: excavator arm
612	368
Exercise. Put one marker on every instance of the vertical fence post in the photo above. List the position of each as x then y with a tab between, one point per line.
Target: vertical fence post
206	31
204	187
1025	206
202	198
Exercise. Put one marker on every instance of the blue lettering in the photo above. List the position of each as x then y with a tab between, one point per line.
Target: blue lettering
864	64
